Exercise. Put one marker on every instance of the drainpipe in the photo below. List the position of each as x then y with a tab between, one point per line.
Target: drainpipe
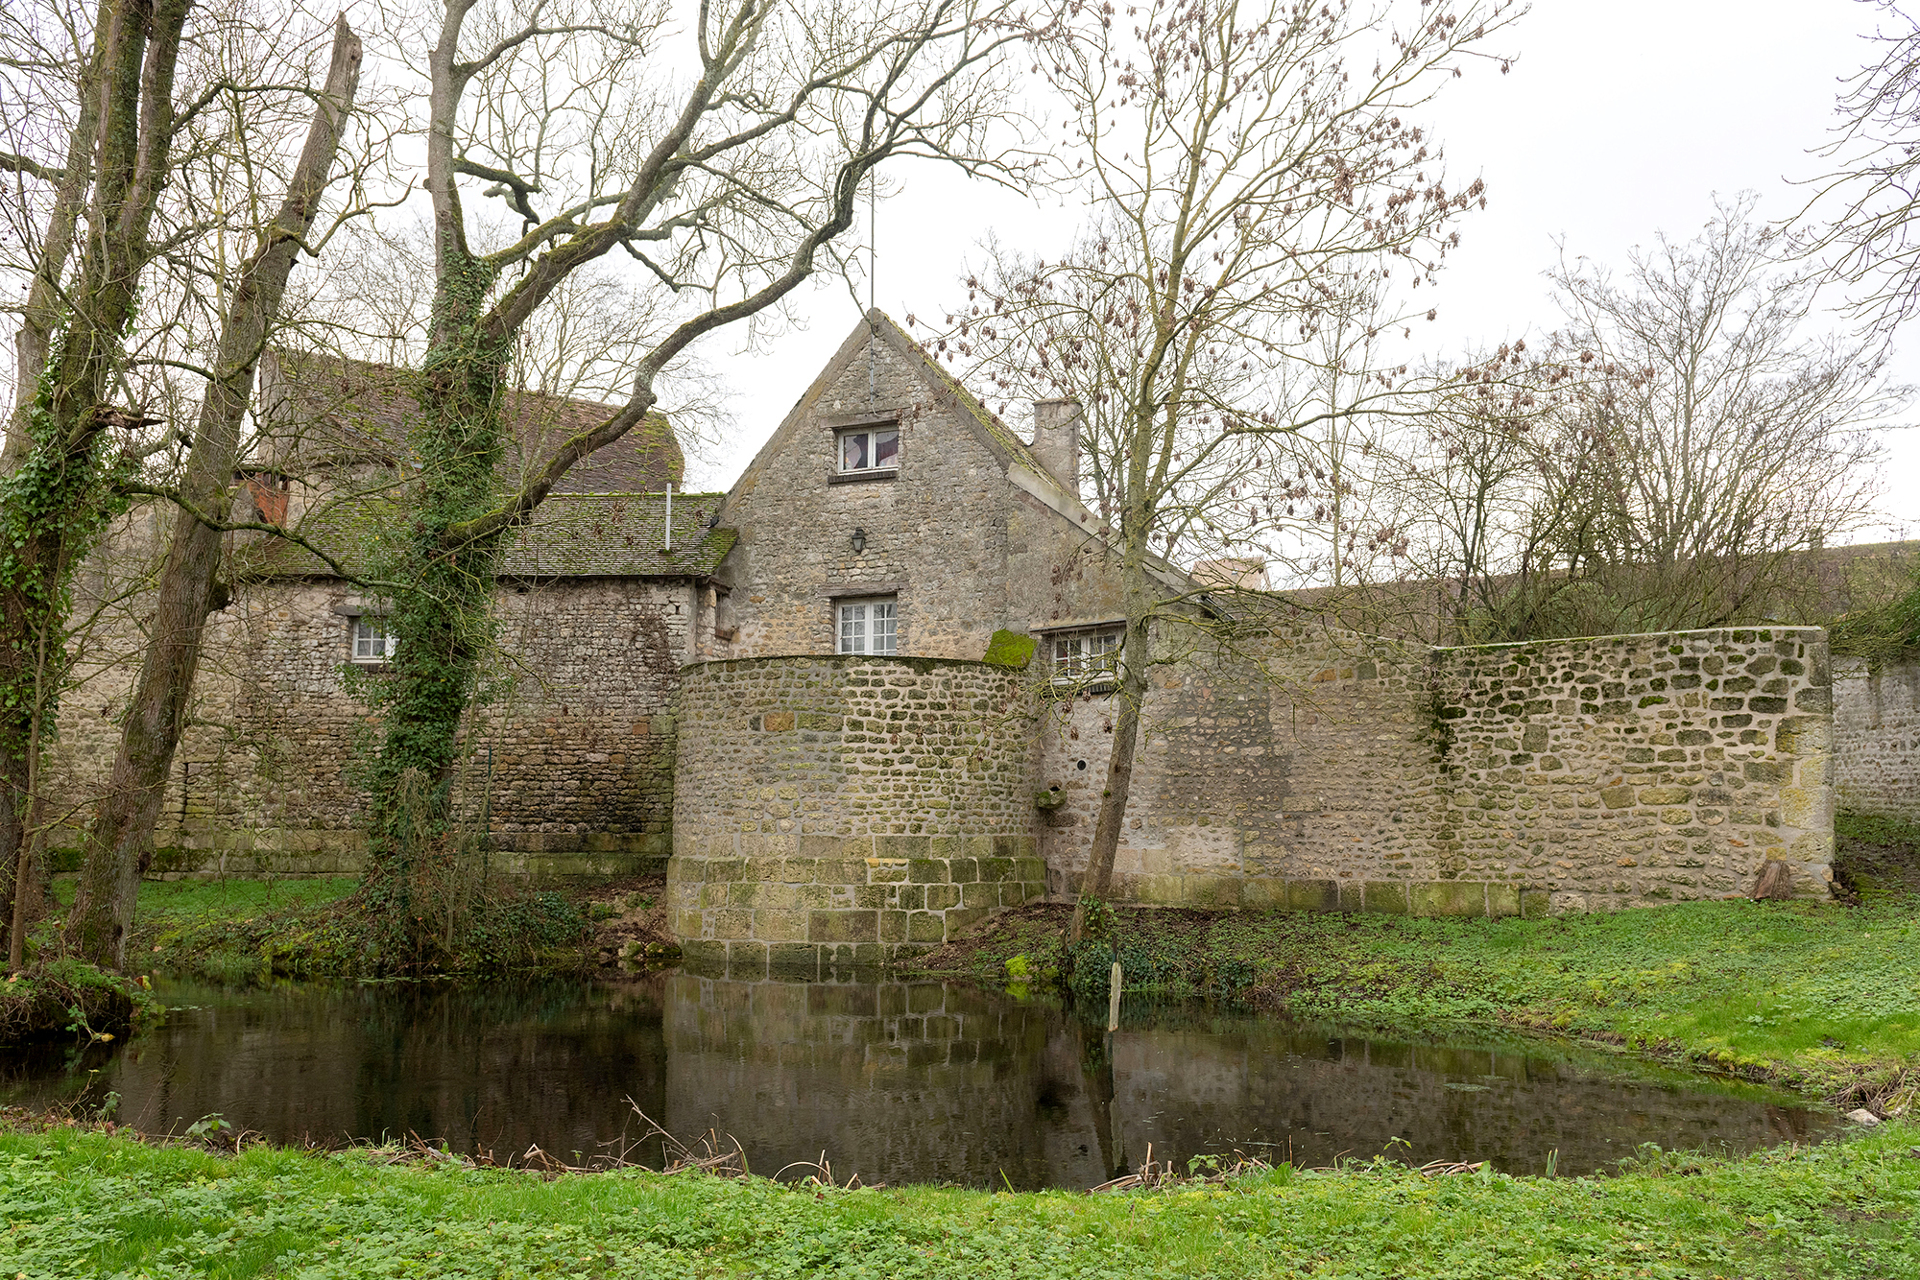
668	544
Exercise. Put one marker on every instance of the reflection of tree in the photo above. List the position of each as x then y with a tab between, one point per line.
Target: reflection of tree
902	1082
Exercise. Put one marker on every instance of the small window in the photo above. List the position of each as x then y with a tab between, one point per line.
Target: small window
1080	655
869	449
373	641
869	626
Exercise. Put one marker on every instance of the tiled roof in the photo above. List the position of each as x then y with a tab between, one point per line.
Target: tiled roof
571	535
595	535
320	409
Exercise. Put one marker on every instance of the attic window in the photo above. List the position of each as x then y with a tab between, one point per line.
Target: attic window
868	449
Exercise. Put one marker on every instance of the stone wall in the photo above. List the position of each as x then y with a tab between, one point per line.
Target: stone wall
1624	770
571	757
1287	774
1332	772
843	810
1876	733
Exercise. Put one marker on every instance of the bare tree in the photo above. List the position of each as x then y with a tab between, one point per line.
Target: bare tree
1255	178
1703	444
1861	215
57	494
121	833
152	144
1729	441
724	184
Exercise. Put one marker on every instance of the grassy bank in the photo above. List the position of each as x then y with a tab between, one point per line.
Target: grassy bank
1820	997
235	929
86	1204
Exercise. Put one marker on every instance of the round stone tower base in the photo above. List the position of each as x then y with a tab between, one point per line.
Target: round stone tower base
801	904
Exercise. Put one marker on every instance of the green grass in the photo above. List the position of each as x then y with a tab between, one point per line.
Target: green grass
230	897
1816	995
84	1204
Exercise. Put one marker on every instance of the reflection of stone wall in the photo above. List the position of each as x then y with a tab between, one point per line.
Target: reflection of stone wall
842	810
1876	735
1283	1092
899	1081
946	1081
499	1068
1564	775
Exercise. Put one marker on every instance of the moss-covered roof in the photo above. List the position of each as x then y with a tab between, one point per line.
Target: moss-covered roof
620	535
571	535
320	410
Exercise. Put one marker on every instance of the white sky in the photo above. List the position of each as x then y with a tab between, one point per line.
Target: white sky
1620	118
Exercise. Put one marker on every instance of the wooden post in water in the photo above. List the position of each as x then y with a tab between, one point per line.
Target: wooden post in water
1113	999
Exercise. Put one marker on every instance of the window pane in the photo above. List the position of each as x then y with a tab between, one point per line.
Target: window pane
1082	653
853	451
886	448
372	642
853	628
885	622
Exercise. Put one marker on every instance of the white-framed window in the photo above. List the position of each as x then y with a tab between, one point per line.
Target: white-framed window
373	640
868	449
1082	655
868	626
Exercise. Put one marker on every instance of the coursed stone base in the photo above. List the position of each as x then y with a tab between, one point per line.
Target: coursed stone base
803	904
1391	897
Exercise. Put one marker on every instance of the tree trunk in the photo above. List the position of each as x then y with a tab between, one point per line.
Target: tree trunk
1098	881
55	499
120	840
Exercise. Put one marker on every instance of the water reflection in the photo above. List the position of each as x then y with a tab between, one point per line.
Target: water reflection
896	1082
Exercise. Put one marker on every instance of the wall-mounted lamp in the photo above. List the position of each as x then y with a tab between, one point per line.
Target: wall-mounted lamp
859	540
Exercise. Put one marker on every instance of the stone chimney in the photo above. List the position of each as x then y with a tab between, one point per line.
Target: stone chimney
1056	440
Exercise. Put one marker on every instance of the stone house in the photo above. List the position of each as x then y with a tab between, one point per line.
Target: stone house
789	694
598	606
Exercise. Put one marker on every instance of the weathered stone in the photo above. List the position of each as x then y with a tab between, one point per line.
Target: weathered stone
1449	898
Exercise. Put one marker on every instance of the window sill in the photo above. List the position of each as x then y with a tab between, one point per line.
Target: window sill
1068	686
364	664
862	477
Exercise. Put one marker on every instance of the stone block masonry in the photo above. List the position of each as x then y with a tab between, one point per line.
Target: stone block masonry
847	810
1565	775
1624	770
569	761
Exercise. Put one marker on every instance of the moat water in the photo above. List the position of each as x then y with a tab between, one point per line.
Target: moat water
895	1082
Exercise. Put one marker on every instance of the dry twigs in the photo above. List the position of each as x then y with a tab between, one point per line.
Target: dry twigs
1448	1168
1162	1175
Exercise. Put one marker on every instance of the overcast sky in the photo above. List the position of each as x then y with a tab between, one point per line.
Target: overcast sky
1619	119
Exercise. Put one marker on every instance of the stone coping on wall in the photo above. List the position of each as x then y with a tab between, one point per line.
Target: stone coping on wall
1738	635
